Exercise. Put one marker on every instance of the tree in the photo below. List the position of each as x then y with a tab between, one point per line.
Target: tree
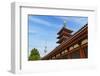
34	55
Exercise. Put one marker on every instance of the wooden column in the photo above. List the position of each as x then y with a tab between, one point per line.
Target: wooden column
81	50
68	55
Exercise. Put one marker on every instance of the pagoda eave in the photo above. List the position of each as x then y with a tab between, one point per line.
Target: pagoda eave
61	40
65	35
64	29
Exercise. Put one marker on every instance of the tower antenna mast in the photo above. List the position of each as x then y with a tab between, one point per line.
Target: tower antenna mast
45	48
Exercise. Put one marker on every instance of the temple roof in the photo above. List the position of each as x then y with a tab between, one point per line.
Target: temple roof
76	35
64	29
61	39
64	34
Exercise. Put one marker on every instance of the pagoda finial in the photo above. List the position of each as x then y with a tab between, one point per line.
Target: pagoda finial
64	23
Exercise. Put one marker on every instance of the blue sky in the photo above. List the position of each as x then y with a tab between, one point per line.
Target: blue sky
42	30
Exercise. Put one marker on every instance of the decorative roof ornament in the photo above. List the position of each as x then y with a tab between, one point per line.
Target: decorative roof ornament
65	24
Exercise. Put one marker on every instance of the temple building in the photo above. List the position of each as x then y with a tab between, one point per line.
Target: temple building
71	46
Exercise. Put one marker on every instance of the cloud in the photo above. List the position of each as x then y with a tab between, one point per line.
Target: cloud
38	20
75	19
43	22
74	22
33	31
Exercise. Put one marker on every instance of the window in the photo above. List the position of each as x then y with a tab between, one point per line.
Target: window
84	41
53	57
76	45
66	51
57	55
62	52
75	55
71	48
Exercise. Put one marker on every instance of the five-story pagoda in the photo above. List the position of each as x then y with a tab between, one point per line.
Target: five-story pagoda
64	34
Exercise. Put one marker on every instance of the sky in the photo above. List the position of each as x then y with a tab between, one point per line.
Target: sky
42	30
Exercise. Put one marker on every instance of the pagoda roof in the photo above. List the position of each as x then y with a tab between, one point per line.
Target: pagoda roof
61	39
64	34
65	29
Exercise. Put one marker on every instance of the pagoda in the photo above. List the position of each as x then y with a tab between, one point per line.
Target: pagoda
64	34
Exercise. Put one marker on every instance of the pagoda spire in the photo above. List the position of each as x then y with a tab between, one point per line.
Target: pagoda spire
65	24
